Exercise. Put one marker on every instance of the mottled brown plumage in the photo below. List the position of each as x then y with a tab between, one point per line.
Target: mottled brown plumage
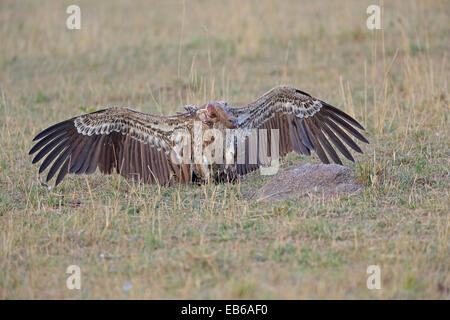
141	146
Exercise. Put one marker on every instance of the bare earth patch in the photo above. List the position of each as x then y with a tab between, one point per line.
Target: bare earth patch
310	180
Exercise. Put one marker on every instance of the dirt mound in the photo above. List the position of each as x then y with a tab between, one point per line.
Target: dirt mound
309	180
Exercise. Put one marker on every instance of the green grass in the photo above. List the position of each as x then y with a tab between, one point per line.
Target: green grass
211	241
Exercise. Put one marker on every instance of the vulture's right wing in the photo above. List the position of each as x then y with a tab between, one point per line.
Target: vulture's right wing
136	144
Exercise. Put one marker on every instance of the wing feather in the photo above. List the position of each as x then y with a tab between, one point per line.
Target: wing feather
305	124
335	140
343	135
48	146
59	161
345	125
134	143
325	144
315	142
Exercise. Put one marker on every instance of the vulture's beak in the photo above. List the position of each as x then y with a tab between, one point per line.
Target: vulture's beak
216	113
210	109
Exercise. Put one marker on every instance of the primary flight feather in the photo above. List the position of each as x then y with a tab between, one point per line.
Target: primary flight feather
141	146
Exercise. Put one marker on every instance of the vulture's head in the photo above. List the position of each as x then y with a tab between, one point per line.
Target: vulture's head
214	111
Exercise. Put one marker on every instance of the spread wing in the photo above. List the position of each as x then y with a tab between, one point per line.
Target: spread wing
304	123
136	144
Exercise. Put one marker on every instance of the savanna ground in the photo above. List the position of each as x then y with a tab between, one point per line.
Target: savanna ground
211	241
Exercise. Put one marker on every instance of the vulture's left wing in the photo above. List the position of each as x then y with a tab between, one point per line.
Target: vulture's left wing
136	144
304	124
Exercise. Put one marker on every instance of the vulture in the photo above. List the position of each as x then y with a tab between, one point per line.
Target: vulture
164	150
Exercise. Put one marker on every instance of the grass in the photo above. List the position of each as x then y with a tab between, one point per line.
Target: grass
134	241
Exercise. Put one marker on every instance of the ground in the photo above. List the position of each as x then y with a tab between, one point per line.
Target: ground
211	241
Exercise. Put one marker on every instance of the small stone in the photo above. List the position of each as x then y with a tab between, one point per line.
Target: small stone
127	286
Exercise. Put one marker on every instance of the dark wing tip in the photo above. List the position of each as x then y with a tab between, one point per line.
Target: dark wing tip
345	121
342	114
51	129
